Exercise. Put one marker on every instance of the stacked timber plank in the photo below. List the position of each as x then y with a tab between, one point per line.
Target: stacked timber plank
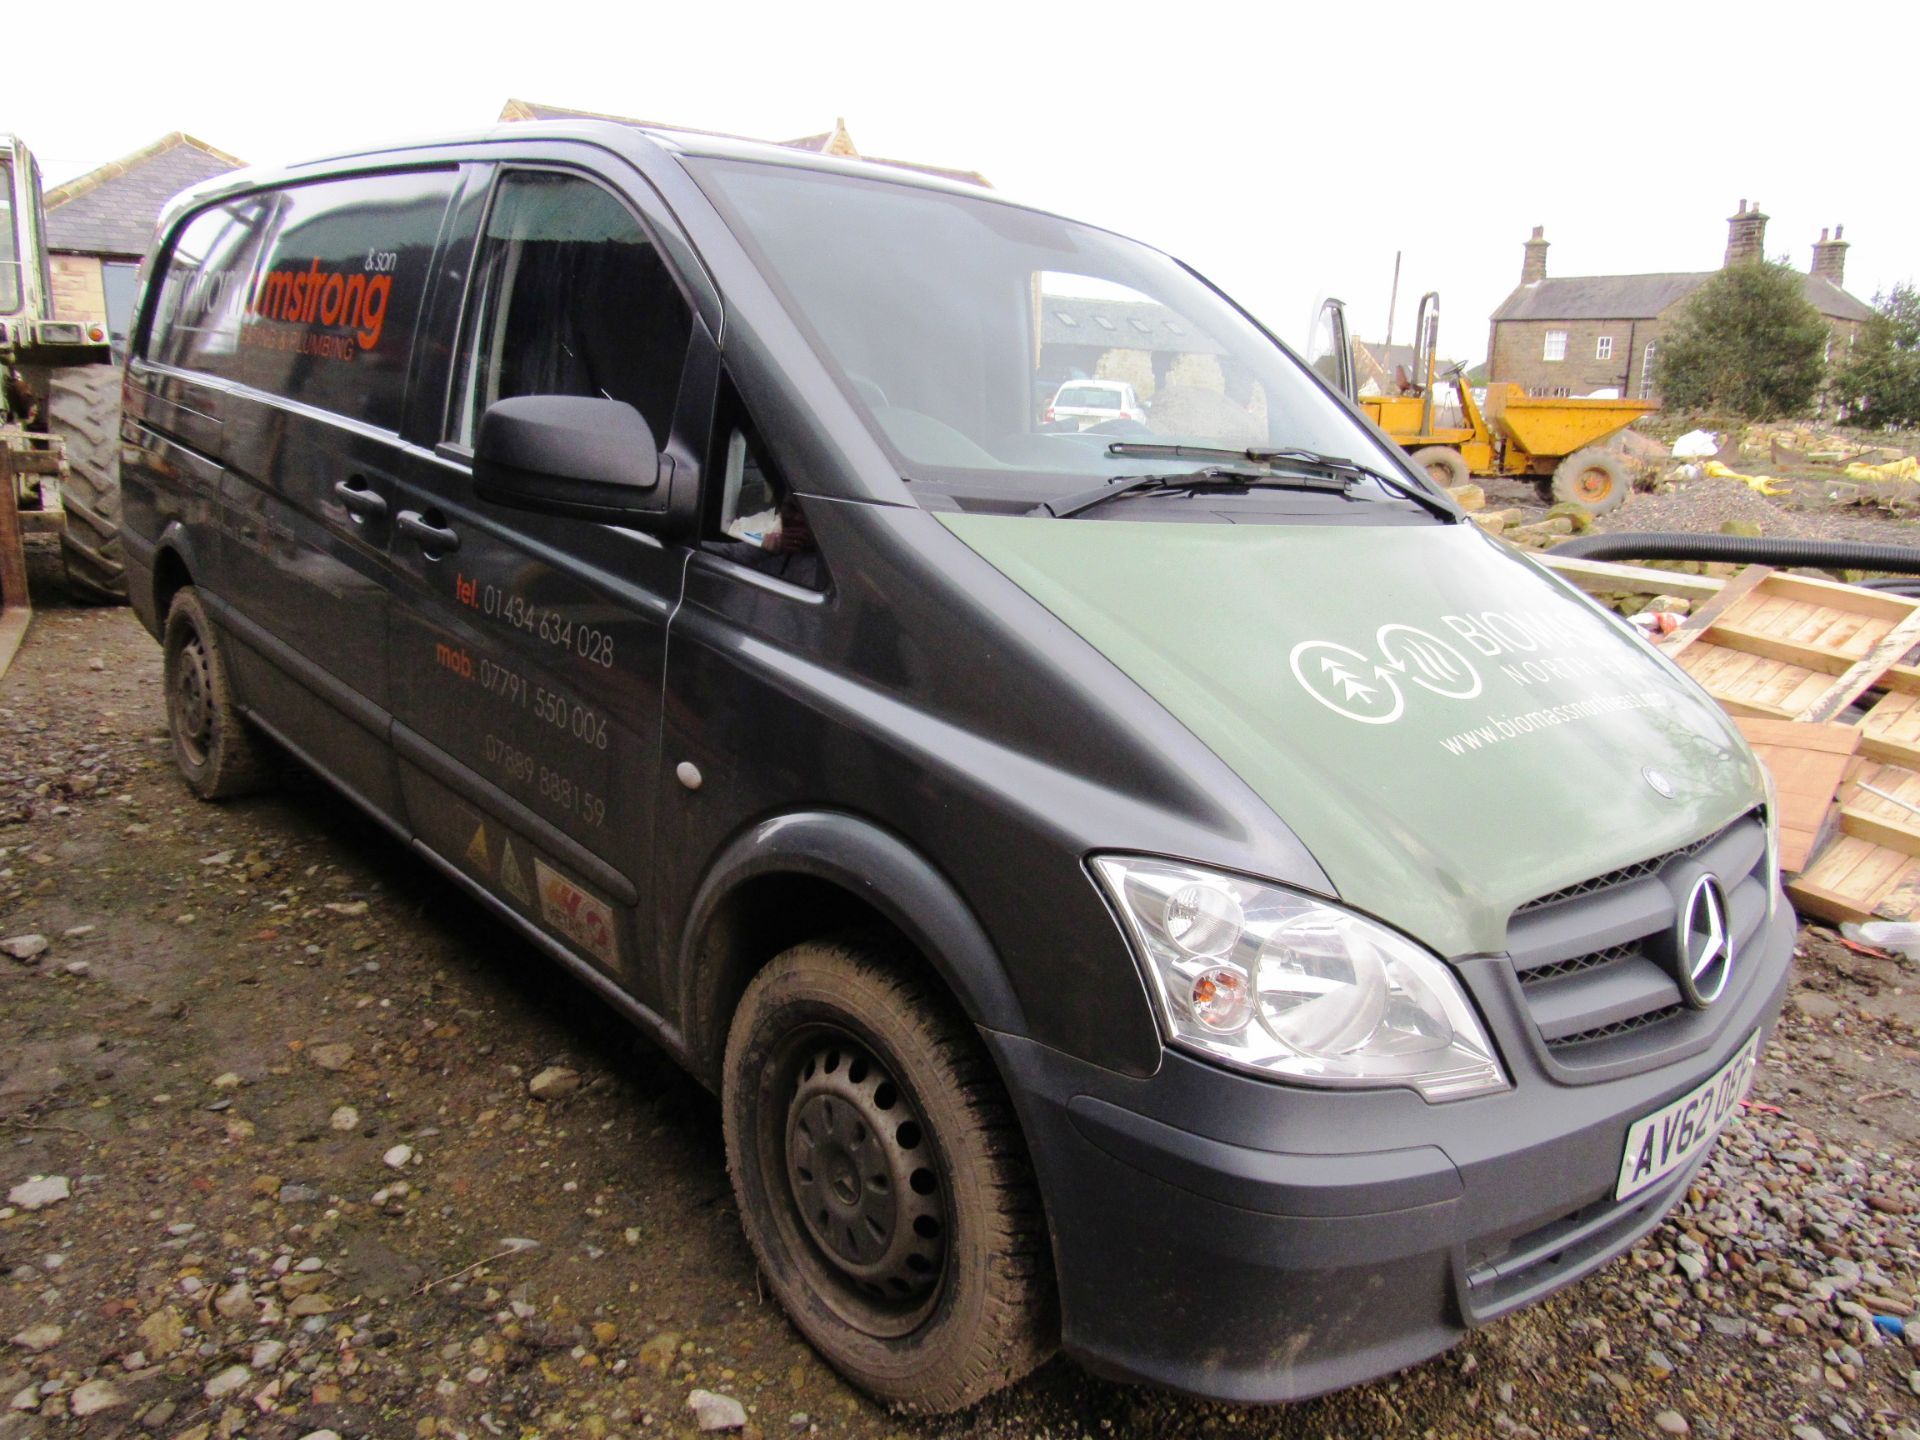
1785	647
1872	867
1824	681
1785	653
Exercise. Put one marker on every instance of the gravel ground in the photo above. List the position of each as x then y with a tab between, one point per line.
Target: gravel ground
1706	504
1703	505
295	1140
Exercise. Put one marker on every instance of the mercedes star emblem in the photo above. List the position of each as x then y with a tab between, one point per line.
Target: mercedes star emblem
1706	948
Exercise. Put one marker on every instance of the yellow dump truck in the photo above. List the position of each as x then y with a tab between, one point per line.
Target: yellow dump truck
1558	441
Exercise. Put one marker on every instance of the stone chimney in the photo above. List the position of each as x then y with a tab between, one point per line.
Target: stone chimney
1534	267
1830	256
1746	236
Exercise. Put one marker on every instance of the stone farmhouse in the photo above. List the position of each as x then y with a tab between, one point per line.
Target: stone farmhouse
1588	334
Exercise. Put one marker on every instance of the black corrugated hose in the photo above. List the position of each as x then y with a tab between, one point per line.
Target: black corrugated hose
1744	550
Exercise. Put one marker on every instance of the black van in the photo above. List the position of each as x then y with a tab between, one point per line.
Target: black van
1159	884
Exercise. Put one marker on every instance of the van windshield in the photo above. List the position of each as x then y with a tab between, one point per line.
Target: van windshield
960	325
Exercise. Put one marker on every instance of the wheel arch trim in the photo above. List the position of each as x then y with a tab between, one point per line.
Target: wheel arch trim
875	867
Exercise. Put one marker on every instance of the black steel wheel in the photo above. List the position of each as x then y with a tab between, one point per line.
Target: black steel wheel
863	1179
882	1179
215	750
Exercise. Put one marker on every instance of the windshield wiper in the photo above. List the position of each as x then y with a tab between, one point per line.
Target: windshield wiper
1216	477
1339	464
1293	456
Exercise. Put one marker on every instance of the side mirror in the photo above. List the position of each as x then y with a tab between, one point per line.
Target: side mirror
569	455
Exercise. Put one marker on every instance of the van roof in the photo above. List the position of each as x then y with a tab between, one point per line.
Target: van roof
610	135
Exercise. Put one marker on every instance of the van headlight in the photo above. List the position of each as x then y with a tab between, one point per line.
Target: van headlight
1283	985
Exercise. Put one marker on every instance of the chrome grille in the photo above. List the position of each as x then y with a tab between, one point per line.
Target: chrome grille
1621	1027
1577	964
1622	876
1590	958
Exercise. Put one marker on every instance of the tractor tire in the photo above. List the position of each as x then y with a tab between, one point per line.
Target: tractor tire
1593	478
1443	464
83	409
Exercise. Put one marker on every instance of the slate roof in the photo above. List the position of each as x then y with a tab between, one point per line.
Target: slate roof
1642	297
1829	299
822	143
112	210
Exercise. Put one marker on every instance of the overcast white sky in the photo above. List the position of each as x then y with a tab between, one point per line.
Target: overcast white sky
1287	151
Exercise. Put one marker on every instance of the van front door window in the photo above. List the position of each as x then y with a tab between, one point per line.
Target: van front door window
570	298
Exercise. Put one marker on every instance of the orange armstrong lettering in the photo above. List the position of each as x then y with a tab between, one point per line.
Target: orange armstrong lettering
347	299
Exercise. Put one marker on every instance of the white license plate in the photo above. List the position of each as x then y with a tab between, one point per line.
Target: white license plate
1660	1143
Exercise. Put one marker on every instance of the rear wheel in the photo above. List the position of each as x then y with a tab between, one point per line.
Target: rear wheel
217	753
1444	465
882	1179
1592	478
83	409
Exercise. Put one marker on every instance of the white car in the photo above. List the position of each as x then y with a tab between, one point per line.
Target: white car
1088	402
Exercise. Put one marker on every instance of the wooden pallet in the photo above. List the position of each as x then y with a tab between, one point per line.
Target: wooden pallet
1772	648
1785	647
1873	866
1808	764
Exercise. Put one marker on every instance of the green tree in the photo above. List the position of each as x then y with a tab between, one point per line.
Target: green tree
1880	385
1746	343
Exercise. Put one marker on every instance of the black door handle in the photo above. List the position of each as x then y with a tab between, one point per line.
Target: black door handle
361	502
432	537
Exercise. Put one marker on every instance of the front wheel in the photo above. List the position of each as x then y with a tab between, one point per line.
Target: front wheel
1445	466
1594	478
882	1179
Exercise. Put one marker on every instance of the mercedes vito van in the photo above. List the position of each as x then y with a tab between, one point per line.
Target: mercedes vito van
1172	890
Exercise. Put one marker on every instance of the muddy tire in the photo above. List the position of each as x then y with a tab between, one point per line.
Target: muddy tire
882	1179
1443	464
1594	478
83	409
218	754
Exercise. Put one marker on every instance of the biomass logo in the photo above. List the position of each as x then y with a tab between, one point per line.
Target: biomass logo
353	304
1368	689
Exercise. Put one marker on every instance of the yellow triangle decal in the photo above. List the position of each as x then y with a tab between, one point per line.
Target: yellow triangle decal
477	850
511	878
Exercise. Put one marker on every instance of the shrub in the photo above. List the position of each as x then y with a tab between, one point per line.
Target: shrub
1880	384
1747	342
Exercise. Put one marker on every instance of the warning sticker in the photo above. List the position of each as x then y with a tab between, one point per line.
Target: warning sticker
582	918
512	878
477	855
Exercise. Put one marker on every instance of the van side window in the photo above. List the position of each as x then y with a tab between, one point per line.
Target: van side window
569	297
203	292
331	317
755	519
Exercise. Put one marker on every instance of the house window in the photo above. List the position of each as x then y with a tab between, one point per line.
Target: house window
1646	371
1556	346
1603	348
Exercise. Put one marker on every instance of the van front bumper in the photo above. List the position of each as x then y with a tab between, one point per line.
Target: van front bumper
1229	1237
